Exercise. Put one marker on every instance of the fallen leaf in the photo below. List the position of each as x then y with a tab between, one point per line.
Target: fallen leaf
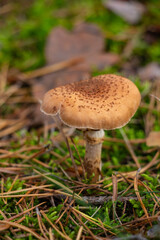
153	139
71	171
150	118
150	72
131	11
85	41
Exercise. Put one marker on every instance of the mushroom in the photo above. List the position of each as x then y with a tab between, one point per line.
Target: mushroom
101	103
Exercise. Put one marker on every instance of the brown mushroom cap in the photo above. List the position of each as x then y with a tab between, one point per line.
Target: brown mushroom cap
102	102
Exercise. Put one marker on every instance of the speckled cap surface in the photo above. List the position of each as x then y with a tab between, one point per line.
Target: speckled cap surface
103	102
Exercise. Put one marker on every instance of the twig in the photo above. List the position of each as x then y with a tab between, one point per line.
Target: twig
50	69
100	200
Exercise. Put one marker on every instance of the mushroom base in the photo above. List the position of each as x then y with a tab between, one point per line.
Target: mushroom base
92	161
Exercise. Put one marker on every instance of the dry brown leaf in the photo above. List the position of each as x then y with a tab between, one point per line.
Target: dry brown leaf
153	139
131	11
85	41
150	72
136	182
71	171
154	104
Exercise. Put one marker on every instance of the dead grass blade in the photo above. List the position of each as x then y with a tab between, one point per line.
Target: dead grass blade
95	221
139	198
15	179
143	220
61	226
14	128
24	212
79	234
50	234
67	194
55	227
7	94
73	160
94	213
102	227
133	174
49	69
7	154
115	188
152	194
56	119
11	170
65	210
114	197
76	196
5	122
17	225
2	190
40	223
4	226
151	163
130	149
24	190
83	224
28	195
81	161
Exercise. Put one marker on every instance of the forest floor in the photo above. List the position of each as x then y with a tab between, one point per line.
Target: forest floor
44	193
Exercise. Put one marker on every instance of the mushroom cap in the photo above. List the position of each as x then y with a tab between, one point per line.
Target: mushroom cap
102	102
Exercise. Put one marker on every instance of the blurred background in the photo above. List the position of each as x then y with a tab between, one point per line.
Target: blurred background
130	29
48	43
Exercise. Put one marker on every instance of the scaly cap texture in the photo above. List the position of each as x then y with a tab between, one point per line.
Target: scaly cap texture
102	102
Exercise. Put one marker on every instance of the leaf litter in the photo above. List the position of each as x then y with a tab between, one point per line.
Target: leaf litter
65	192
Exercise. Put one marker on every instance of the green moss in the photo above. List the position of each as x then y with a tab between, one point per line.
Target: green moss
22	41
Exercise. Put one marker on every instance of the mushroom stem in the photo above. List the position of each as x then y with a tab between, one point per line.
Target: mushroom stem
92	161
